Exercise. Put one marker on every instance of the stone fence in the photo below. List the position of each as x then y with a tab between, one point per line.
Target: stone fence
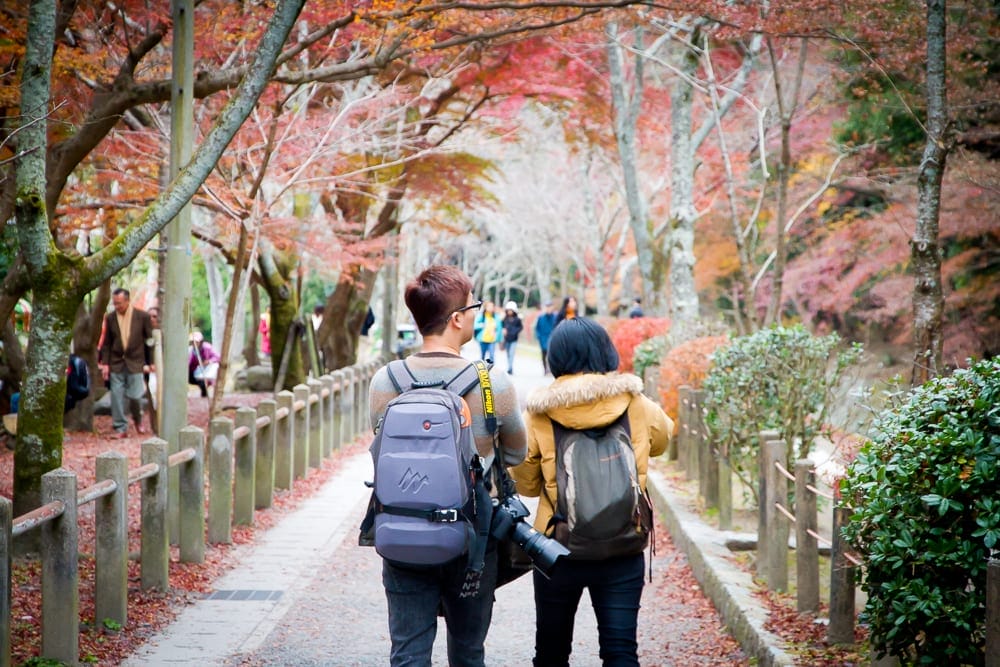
248	458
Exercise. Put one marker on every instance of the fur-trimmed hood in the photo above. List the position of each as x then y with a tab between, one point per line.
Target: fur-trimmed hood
586	400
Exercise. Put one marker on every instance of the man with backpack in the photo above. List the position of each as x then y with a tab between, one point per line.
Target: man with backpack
470	413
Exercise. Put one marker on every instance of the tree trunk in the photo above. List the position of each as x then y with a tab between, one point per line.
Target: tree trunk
250	352
928	301
627	105
85	340
276	270
684	307
59	281
233	309
786	111
348	305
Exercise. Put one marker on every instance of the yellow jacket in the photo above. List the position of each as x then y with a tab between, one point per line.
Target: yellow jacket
586	400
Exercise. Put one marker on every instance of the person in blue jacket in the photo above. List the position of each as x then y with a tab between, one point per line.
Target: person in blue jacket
544	325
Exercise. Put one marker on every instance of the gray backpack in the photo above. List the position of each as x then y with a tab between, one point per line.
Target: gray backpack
601	510
429	503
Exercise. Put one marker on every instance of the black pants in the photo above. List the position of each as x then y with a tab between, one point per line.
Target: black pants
198	383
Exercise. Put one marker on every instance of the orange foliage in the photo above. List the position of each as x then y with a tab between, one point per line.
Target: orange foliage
686	364
626	334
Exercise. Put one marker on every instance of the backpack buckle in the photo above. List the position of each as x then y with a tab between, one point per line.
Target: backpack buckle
445	516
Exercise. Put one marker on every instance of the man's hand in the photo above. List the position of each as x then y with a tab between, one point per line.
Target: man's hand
148	368
105	371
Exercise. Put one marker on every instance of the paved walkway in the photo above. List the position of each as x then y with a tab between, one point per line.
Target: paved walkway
306	594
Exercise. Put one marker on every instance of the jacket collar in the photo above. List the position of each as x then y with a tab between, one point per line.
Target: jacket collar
583	389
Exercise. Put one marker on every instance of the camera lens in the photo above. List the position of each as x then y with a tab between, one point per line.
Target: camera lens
542	550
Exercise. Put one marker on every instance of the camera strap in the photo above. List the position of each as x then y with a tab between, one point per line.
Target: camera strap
505	485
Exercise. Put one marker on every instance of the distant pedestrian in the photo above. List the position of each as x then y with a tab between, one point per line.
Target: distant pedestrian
487	330
317	317
126	353
587	395
512	327
568	310
544	325
636	310
366	326
441	302
264	329
77	382
203	363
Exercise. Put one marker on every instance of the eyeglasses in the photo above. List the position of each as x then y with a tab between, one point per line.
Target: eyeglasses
475	305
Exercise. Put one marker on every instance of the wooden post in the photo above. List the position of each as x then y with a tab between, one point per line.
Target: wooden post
315	423
245	450
111	541
338	409
328	438
710	456
683	429
301	419
763	511
263	488
841	628
696	441
806	549
60	572
284	452
155	543
6	561
776	566
725	493
993	613
192	486
220	481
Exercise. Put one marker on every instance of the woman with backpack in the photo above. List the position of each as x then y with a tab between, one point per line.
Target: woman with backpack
590	423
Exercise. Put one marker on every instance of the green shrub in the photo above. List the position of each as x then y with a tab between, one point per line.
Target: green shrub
649	353
780	378
926	493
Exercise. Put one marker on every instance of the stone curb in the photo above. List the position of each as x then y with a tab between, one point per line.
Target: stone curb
728	587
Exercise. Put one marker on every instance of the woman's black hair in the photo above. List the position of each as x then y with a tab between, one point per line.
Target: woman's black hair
581	345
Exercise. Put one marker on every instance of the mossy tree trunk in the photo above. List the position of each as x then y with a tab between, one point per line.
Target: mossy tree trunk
277	272
59	281
339	333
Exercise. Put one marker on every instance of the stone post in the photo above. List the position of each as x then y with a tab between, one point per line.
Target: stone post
155	543
111	541
220	481
192	487
264	482
284	451
60	572
245	450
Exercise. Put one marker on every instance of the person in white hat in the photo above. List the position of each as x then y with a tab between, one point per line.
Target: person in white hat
512	327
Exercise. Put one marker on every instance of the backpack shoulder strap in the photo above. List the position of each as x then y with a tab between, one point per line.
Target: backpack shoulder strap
561	430
397	371
463	381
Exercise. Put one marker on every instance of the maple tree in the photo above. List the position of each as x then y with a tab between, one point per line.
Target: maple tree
104	77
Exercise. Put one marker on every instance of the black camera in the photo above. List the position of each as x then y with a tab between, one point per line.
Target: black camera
509	523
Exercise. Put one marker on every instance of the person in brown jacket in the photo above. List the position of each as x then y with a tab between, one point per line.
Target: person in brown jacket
126	354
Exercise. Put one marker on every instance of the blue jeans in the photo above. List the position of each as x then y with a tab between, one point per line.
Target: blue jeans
615	586
416	596
511	346
486	350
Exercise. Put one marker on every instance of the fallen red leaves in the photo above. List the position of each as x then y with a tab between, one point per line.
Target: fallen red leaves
147	610
806	637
